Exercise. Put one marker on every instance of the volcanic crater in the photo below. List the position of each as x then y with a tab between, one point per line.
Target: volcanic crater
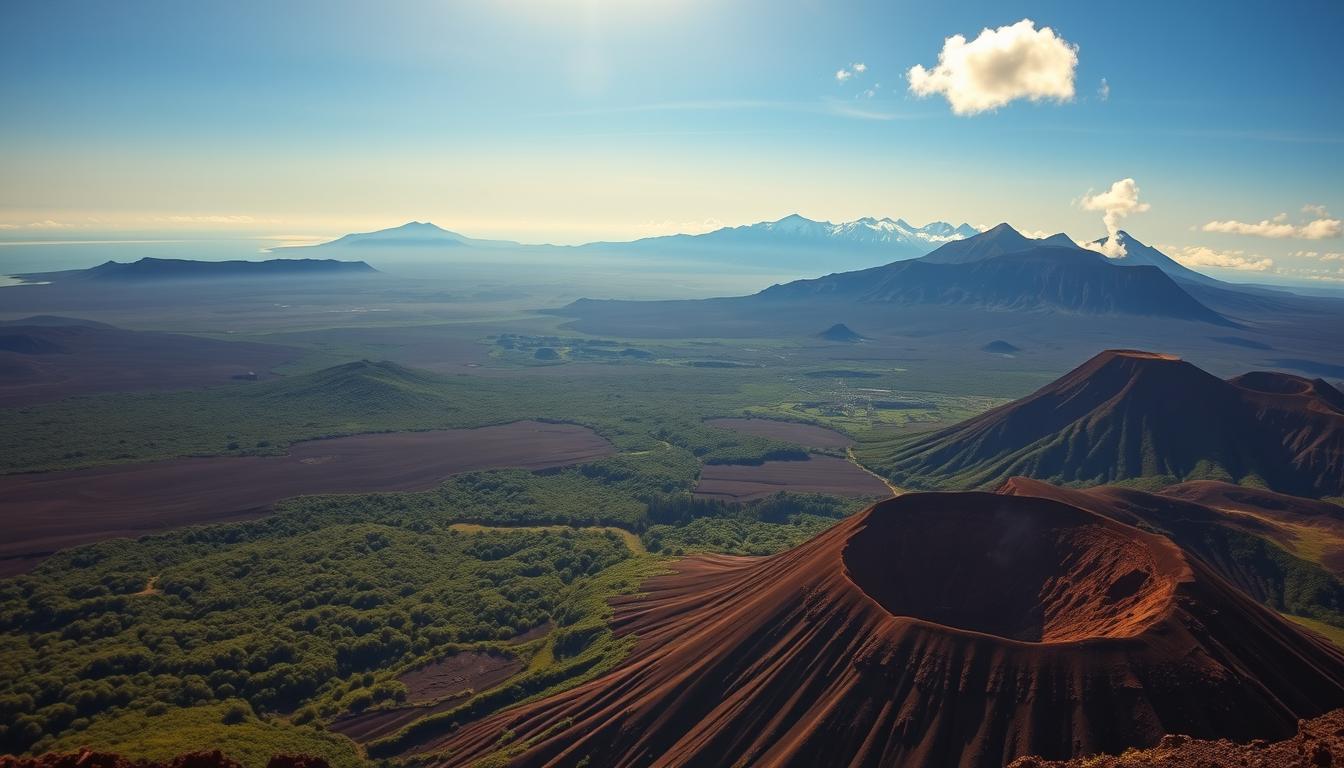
1057	575
932	629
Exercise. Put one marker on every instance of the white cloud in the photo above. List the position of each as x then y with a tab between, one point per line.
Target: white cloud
859	67
44	224
999	66
673	227
1319	256
210	219
841	75
1200	256
1116	203
1104	90
1034	234
1319	228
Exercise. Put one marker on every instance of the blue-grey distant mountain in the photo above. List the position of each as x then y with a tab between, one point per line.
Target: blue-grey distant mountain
901	239
149	269
1002	269
998	270
413	234
999	241
793	242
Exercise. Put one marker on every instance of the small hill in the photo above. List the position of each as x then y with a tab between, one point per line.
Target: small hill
150	269
28	344
1000	347
1125	415
55	321
841	333
933	629
367	386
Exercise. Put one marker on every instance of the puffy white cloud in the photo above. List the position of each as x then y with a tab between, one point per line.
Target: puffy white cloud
859	67
1104	90
841	75
999	66
1200	256
1116	203
1319	228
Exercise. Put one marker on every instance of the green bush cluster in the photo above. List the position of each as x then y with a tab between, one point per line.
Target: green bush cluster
271	618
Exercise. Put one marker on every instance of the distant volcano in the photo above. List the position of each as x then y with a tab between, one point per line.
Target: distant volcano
933	629
1126	414
1002	269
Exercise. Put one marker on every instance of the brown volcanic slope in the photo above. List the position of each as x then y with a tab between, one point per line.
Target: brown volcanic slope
939	629
1282	550
1126	414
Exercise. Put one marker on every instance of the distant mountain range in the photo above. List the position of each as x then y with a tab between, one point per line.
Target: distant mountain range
791	241
897	239
150	269
998	270
1125	415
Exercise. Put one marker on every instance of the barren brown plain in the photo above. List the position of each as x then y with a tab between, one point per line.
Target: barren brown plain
50	511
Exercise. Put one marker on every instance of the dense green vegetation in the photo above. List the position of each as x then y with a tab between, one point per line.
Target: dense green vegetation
270	613
685	526
294	619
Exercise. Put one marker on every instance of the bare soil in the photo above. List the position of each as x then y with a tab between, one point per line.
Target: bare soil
818	474
50	511
441	684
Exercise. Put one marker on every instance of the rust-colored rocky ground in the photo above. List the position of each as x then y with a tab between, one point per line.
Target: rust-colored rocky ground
1319	743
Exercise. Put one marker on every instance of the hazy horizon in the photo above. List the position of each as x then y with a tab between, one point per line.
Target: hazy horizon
588	121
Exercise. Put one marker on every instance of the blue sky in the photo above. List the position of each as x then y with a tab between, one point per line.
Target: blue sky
577	120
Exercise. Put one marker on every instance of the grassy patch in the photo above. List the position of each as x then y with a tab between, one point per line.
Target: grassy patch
249	740
1330	632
